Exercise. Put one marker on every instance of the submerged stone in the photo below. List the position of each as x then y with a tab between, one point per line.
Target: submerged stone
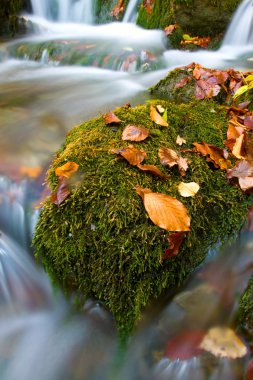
100	241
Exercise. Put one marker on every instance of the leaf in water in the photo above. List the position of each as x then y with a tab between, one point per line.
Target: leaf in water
156	117
189	189
223	342
153	170
168	156
111	118
61	193
175	239
242	169
67	169
134	133
133	155
165	211
185	345
180	141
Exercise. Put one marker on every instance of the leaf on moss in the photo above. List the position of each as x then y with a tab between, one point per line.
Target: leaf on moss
246	183
67	170
133	155
182	165
239	147
188	189
248	122
168	156
135	133
170	29
214	155
242	169
61	193
156	117
165	211
153	170
180	141
182	82
111	118
175	240
223	342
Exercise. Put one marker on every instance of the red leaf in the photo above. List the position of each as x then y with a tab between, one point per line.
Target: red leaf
175	241
61	193
185	345
111	118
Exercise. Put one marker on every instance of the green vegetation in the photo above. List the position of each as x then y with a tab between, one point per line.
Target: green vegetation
100	241
9	10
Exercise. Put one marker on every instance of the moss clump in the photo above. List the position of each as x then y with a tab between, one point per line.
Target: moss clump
245	312
100	240
9	10
161	16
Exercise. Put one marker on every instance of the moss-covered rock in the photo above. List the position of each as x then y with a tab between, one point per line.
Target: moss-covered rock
9	10
100	240
195	17
245	312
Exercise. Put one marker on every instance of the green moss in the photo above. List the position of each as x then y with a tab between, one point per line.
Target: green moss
101	242
245	312
161	16
9	10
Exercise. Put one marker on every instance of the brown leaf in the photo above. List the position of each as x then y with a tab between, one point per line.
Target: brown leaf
61	193
183	82
166	212
168	156
153	170
242	169
133	155
189	189
134	133
223	342
111	118
233	132
175	239
156	117
248	122
67	169
239	147
216	155
246	183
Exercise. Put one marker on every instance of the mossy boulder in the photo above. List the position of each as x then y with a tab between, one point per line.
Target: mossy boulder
100	240
245	313
196	17
9	11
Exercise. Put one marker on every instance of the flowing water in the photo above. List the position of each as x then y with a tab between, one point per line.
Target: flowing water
66	71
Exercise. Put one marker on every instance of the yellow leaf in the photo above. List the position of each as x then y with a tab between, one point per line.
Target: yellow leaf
156	117
180	140
189	189
223	342
67	169
165	211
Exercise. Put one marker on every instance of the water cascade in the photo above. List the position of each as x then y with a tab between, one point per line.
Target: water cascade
49	82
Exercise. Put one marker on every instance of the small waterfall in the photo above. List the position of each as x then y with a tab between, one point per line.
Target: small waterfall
79	11
131	11
240	30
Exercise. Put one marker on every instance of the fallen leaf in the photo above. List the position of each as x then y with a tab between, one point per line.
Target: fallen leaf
189	189
67	169
133	155
153	170
175	239
242	169
61	193
248	122
223	342
238	149
134	133
165	211
182	82
246	183
185	345
168	156
156	117
170	29
160	108
216	155
111	118
182	165
180	141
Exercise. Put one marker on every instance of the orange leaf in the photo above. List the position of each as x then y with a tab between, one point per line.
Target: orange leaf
67	169
156	117
148	6
153	170
168	156
175	239
216	155
239	147
111	118
61	193
165	211
133	155
118	9
134	133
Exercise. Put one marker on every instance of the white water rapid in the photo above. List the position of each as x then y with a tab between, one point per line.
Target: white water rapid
66	71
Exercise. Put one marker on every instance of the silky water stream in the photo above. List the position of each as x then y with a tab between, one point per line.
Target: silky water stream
66	71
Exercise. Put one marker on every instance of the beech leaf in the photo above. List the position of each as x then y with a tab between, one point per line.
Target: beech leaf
242	169
180	141
223	342
134	133
168	156
246	183
111	118
153	170
165	211
189	189
67	169
175	239
238	148
133	155
156	117
61	193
